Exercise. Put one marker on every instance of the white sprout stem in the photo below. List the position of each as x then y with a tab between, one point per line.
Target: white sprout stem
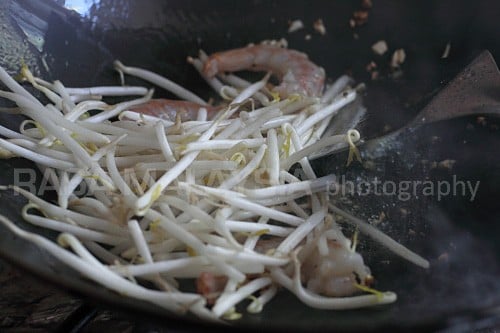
299	211
115	175
301	103
235	200
194	127
257	305
336	88
202	115
72	229
222	144
81	98
139	241
302	187
90	205
4	131
277	122
66	214
212	81
231	271
67	103
84	254
243	292
166	210
46	90
242	226
175	267
241	84
234	80
141	117
84	107
229	130
101	276
256	125
251	90
109	129
322	143
46	119
251	241
262	111
382	238
245	256
297	144
66	190
319	130
118	108
222	228
14	86
36	157
185	206
163	141
292	240
109	91
333	108
81	133
214	165
184	267
273	162
176	231
160	81
237	178
103	254
154	192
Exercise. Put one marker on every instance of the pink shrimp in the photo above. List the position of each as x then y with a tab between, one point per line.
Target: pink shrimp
210	285
168	109
297	73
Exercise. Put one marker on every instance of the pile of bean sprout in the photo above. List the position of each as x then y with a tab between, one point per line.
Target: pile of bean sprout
167	200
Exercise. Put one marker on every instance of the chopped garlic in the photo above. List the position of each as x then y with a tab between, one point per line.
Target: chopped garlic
380	47
319	26
295	26
398	58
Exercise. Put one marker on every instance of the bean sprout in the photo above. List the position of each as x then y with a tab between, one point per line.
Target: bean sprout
210	199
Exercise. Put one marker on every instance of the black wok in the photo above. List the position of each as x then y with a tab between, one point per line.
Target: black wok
460	237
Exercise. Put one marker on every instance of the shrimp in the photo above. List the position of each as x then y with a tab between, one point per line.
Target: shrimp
297	73
169	109
337	272
210	285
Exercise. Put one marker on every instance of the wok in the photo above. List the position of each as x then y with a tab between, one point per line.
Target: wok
460	237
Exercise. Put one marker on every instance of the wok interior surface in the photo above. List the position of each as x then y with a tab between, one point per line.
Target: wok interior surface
459	237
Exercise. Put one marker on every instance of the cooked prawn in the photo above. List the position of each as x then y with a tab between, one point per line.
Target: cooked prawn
331	267
297	73
210	285
336	273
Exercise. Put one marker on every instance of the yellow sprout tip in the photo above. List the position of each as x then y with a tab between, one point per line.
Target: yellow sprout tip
191	252
261	232
276	96
367	289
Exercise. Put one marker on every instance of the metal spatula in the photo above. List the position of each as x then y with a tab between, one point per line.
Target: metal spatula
475	91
